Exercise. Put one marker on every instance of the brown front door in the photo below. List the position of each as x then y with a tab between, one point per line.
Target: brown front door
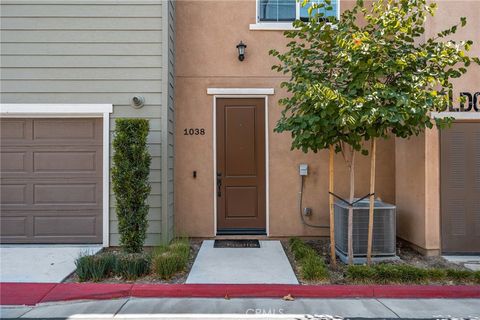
240	166
460	188
51	180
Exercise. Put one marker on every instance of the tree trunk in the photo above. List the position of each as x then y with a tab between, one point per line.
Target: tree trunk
372	201
350	208
333	256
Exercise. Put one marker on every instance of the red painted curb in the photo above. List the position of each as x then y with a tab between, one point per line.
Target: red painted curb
419	291
33	293
250	290
23	293
87	291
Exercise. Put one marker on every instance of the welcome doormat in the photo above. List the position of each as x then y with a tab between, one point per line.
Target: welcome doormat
236	244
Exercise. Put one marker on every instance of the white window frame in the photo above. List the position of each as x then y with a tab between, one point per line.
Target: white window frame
281	25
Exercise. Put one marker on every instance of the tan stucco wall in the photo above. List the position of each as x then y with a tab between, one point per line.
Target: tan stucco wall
207	58
418	159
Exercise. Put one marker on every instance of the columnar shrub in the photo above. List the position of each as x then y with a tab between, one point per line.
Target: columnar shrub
131	167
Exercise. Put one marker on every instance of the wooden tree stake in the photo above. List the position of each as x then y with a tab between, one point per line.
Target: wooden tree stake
333	256
350	208
372	201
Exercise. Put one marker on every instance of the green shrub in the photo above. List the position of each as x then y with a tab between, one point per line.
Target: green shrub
460	275
313	268
132	266
168	260
95	267
476	276
400	273
166	264
437	274
300	249
130	171
360	273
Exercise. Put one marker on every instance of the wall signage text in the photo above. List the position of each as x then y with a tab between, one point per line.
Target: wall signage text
194	131
472	102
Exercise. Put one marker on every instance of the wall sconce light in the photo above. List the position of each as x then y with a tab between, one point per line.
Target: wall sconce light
241	51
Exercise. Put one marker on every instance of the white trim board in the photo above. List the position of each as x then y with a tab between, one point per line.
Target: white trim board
267	160
74	111
52	109
457	115
241	91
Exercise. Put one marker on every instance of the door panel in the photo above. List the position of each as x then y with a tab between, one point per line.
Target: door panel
460	187
240	165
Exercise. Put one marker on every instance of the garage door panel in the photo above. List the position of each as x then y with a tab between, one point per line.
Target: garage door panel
51	180
15	161
65	225
74	161
66	130
14	227
14	194
51	194
16	129
65	194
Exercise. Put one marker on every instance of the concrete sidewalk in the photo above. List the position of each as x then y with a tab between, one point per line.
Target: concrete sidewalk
202	308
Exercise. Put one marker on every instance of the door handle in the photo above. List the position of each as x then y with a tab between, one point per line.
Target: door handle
219	184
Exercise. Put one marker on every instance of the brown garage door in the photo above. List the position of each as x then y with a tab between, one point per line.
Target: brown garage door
460	188
51	180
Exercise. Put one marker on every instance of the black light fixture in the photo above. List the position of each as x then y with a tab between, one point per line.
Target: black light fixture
241	50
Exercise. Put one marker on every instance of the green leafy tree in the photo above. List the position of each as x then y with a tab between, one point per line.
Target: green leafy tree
131	168
371	74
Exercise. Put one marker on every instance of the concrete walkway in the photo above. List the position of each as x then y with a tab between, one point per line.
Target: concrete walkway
198	308
40	263
267	264
470	262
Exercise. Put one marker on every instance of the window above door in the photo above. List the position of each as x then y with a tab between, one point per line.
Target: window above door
280	14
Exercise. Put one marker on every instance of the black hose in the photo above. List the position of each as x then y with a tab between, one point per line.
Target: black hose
300	202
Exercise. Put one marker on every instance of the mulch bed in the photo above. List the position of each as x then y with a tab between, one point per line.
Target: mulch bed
150	279
337	276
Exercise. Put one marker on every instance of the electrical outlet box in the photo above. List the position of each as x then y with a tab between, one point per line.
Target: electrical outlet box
303	169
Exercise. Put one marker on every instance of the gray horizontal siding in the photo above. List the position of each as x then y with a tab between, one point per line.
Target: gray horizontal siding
63	61
87	10
89	73
80	86
88	36
68	97
79	49
89	52
86	23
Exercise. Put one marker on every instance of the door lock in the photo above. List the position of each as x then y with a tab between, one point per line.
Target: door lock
219	184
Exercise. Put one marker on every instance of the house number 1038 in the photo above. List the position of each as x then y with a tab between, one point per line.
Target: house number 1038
194	131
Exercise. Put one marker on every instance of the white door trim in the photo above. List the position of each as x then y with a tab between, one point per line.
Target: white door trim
267	184
74	111
241	91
